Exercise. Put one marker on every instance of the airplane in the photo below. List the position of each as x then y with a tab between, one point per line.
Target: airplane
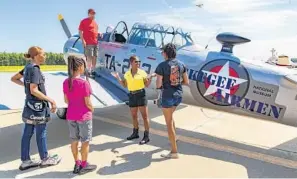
199	5
218	79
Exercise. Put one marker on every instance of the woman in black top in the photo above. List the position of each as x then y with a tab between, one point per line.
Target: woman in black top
36	110
171	75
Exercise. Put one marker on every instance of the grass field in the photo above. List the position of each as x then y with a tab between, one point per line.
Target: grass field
43	68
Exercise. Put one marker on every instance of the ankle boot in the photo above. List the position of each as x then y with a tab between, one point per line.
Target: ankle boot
145	138
134	135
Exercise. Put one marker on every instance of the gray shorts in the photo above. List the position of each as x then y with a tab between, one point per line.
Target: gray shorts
80	130
91	50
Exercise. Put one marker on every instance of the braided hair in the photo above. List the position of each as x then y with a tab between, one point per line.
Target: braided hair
73	65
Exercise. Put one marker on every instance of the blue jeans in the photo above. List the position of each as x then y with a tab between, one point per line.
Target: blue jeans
170	102
40	140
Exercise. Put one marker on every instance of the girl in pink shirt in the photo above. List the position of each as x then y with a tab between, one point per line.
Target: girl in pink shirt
77	93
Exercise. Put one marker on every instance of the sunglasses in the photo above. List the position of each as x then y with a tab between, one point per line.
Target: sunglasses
138	61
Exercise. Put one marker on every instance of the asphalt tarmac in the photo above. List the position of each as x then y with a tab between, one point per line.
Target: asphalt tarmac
211	144
207	146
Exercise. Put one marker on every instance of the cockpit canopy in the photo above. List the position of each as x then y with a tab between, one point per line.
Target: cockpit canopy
156	35
150	35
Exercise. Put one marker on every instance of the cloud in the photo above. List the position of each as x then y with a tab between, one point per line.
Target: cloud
282	45
261	21
268	23
200	33
172	21
236	6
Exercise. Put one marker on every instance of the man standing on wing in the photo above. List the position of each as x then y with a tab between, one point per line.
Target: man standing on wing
88	31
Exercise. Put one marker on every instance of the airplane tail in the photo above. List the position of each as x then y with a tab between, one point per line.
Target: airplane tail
64	25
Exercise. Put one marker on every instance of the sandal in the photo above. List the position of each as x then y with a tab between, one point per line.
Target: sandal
170	155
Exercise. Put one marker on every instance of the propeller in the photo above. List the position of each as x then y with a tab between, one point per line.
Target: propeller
64	25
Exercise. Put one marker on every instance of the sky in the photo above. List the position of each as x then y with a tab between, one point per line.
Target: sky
268	23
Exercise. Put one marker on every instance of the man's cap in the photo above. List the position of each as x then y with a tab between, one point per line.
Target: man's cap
91	11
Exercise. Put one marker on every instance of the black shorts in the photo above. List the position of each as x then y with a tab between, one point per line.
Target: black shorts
137	99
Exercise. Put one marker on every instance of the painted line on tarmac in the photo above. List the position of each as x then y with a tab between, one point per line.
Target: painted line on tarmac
224	148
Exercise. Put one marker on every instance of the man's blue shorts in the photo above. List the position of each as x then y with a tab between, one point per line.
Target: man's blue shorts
170	102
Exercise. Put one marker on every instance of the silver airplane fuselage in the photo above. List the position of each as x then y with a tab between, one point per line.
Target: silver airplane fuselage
218	80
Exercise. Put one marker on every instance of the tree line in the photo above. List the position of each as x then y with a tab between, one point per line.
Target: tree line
18	59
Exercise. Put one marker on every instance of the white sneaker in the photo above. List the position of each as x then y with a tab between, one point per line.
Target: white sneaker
50	161
29	164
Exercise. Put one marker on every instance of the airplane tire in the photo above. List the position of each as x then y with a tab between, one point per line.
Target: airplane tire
61	113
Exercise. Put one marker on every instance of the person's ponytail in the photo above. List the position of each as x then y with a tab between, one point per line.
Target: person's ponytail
70	72
86	71
32	52
27	55
73	65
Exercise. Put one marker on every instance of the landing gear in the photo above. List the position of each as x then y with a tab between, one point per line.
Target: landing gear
61	113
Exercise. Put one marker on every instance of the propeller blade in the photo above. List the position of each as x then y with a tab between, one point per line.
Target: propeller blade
64	25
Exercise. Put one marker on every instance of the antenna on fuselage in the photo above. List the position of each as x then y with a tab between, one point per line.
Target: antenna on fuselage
211	38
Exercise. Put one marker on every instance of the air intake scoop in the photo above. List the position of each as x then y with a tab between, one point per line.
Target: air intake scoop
228	40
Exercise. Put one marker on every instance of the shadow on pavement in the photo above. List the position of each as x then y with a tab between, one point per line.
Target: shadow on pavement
58	136
68	174
286	146
14	173
133	161
112	146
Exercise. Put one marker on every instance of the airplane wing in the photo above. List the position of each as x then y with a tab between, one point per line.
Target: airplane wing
106	91
292	78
